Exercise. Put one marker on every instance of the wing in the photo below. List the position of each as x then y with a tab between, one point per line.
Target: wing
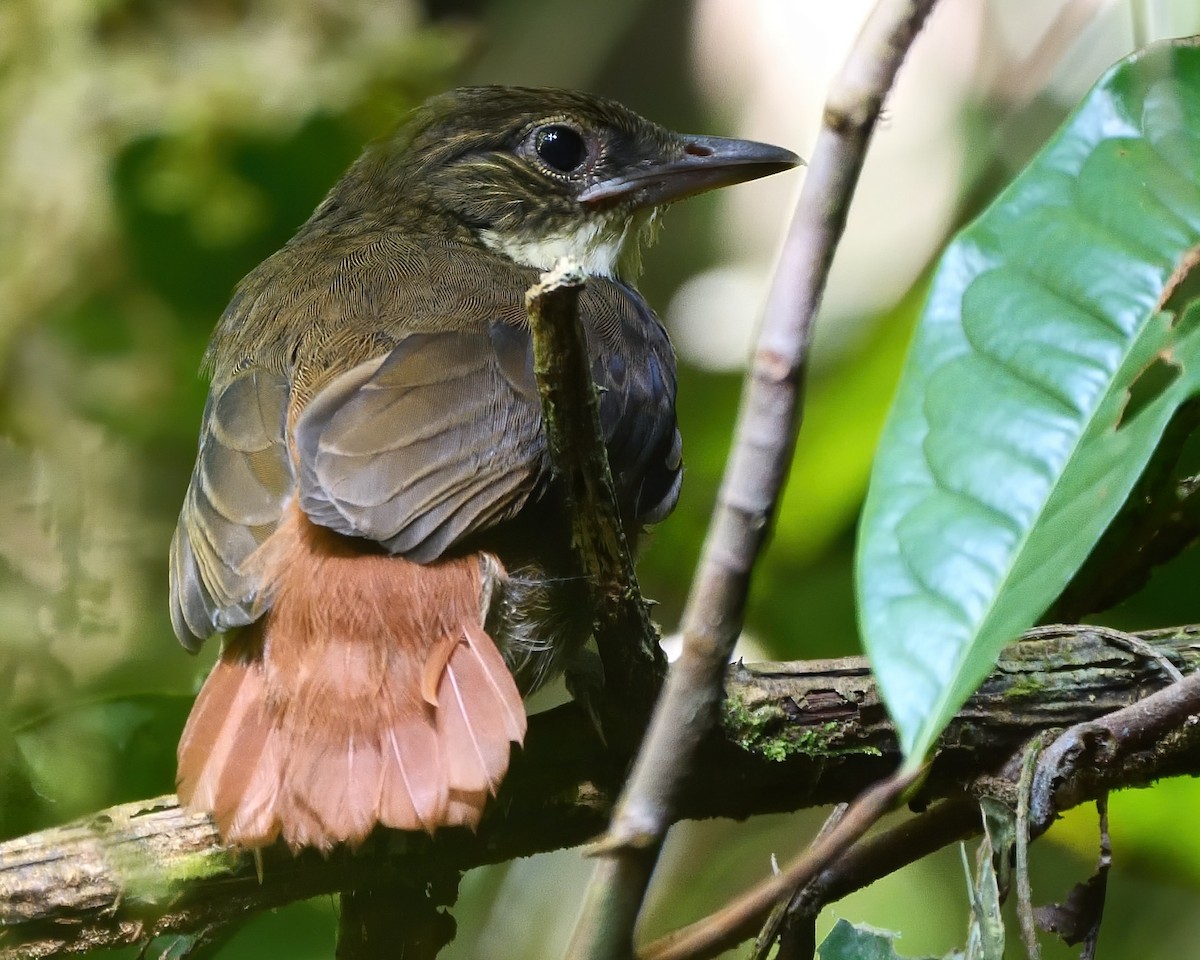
439	439
436	440
634	365
241	481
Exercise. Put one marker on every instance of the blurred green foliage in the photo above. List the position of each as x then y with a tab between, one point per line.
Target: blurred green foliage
153	151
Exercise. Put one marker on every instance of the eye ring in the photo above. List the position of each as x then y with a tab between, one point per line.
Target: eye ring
560	147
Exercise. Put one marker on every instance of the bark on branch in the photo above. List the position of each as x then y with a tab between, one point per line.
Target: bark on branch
625	635
794	735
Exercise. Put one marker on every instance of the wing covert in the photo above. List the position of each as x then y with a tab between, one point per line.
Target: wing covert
240	484
439	439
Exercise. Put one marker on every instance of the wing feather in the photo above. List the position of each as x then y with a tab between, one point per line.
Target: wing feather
240	484
426	446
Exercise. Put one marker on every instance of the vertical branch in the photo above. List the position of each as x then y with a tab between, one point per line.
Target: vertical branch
765	437
398	919
625	635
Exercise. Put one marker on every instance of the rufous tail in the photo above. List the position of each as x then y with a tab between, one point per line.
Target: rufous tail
368	694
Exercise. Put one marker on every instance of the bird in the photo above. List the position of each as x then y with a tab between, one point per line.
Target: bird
372	525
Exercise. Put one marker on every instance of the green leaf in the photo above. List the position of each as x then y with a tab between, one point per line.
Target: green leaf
849	941
1058	339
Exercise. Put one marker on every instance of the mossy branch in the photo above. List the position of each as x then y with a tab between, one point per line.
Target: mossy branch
625	635
795	735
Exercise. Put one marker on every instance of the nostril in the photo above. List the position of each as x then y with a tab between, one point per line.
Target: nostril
697	150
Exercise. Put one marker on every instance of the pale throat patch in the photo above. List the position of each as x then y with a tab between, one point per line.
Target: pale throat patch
597	244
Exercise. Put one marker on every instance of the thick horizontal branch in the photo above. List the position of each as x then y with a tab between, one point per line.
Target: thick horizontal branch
795	735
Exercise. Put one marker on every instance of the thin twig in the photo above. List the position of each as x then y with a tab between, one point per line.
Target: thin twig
1024	889
1027	78
783	912
738	919
886	852
1103	865
764	441
1077	918
870	860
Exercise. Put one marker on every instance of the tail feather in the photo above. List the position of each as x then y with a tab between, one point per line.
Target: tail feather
414	767
246	759
462	807
471	713
336	793
397	804
254	816
510	712
224	725
435	666
369	694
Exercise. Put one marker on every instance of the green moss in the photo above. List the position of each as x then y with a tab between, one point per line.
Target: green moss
737	718
153	880
206	863
766	731
778	750
1025	686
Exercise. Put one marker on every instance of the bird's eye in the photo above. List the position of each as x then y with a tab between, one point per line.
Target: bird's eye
560	148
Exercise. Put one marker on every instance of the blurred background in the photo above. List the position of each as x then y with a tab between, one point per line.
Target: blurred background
153	151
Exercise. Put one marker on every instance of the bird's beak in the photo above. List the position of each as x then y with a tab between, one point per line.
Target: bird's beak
706	163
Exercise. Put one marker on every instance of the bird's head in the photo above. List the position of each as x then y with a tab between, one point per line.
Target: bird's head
537	174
